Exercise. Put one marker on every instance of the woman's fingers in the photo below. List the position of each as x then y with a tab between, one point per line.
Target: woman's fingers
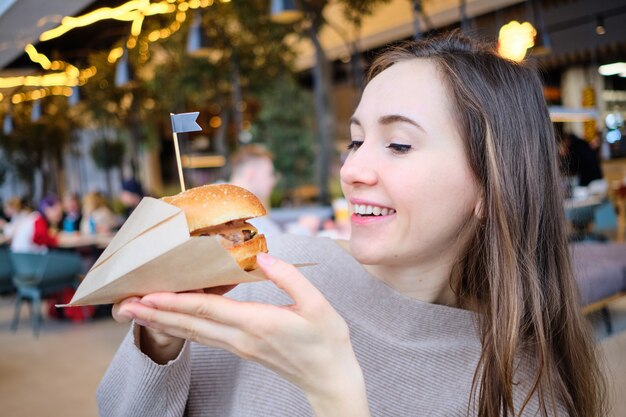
120	310
244	315
185	326
286	277
207	306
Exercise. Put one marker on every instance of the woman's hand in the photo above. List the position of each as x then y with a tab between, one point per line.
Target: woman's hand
159	346
307	342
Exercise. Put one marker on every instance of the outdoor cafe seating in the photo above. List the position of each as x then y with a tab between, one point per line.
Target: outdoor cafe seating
37	276
591	214
598	260
6	272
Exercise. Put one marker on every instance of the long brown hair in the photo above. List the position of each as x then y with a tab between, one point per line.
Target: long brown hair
516	269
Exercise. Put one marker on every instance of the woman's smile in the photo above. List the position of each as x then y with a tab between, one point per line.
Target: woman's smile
365	212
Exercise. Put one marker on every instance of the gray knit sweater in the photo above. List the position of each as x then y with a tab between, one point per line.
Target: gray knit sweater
418	359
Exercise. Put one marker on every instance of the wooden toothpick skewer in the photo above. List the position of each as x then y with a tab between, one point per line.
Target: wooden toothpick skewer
179	163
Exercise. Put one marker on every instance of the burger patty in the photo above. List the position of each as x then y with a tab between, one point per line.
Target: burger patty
229	234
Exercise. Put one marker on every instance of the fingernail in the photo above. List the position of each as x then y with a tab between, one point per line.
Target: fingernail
141	322
265	259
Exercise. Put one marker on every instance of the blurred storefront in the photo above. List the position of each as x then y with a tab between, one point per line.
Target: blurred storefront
574	43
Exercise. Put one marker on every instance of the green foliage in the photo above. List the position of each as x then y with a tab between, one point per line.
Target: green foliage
32	143
284	125
107	154
239	34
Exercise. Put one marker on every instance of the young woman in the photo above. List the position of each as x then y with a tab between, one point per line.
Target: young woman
16	211
456	297
97	217
37	233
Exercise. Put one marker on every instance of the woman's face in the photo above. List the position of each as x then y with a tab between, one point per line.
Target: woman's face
407	177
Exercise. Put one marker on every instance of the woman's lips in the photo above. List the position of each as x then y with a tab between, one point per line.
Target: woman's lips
366	220
368	212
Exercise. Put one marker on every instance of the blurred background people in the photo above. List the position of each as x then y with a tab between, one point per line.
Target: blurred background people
130	196
579	160
252	168
37	233
3	217
72	214
97	216
16	210
306	225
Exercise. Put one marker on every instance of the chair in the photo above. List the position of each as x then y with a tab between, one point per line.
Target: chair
37	276
605	220
6	272
600	271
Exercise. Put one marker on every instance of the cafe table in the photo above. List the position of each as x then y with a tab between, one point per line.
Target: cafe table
77	240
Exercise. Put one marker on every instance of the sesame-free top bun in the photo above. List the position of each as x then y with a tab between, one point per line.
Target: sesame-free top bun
215	204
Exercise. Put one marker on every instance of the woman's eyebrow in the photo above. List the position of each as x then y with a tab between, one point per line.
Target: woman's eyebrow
390	119
397	118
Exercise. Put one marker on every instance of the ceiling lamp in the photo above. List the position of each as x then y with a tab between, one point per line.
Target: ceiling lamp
122	70
284	11
514	40
74	98
543	45
35	113
612	69
600	28
7	125
197	40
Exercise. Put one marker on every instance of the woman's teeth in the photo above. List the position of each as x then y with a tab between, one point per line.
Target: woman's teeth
365	210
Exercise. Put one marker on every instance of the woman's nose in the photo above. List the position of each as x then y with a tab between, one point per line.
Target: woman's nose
358	170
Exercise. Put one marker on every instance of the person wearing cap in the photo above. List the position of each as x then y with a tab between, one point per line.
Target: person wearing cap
131	195
72	215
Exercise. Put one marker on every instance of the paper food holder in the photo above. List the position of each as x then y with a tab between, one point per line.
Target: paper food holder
154	252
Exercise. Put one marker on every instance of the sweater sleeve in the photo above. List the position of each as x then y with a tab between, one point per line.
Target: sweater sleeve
42	235
135	386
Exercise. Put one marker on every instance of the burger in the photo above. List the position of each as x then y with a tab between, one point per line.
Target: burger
222	210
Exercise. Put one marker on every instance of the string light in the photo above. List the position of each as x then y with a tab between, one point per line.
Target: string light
129	11
40	93
134	11
37	58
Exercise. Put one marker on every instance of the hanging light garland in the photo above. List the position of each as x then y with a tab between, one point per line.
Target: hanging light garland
66	76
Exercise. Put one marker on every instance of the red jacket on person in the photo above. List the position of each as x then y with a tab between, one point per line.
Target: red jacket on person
42	235
32	235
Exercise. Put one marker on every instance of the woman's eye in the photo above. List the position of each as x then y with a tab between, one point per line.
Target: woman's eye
399	148
355	144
